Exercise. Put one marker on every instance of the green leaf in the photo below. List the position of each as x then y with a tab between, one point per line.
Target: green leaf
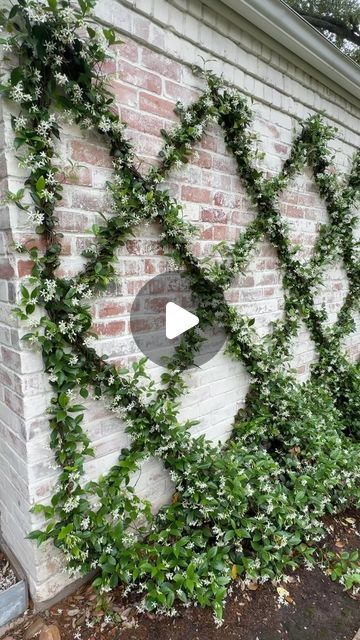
63	400
40	184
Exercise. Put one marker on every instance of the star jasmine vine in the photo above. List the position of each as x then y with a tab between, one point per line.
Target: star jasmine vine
251	510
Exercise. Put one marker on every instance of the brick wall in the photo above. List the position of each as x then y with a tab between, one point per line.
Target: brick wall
151	70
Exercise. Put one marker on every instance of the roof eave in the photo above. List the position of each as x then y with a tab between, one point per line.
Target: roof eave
285	26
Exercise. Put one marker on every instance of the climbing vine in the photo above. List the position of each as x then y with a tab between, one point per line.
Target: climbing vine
253	509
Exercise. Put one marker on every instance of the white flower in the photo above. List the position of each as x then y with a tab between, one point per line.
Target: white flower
18	94
49	46
90	342
61	78
71	504
198	131
104	124
57	61
43	128
62	326
47	195
20	123
36	217
73	360
49	290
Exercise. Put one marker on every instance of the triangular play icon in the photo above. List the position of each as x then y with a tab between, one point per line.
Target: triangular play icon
178	320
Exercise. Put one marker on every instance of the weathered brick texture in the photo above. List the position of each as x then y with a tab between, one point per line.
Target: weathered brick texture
150	72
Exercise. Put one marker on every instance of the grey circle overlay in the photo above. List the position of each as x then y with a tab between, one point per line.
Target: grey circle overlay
148	320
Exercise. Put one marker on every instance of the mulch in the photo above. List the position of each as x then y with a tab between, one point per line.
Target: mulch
7	575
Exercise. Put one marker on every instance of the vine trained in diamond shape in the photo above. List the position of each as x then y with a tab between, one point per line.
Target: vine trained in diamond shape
252	509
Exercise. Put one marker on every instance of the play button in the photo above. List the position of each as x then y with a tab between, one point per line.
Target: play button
178	320
164	313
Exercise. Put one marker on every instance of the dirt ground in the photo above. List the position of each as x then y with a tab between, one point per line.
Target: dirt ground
317	609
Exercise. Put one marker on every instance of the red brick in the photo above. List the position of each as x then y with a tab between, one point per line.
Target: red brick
6	378
24	267
270	263
108	67
156	305
307	199
232	295
161	64
281	149
222	199
140	77
90	153
128	50
267	250
12	359
112	328
133	268
81	176
148	325
6	270
90	200
142	122
31	242
82	243
301	369
207	233
216	180
224	164
145	144
241	218
203	159
269	292
112	308
155	266
133	247
196	248
124	94
294	212
143	247
219	233
134	286
156	105
246	281
196	194
71	221
209	142
66	245
14	402
267	278
223	232
213	215
179	92
274	130
290	198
